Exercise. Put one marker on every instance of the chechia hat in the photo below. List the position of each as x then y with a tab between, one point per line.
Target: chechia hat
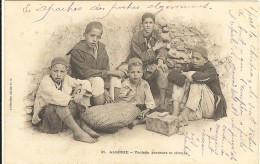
94	24
148	15
201	50
59	60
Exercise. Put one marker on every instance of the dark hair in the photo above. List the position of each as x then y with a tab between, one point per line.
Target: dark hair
148	15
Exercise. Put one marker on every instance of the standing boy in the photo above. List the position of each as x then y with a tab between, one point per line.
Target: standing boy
147	45
54	105
205	98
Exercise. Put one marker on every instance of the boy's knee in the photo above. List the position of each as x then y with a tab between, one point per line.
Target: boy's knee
97	84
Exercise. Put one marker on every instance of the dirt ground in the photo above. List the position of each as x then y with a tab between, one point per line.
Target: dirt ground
27	145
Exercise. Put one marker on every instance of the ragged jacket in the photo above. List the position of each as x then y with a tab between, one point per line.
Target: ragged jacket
140	49
49	94
209	76
83	63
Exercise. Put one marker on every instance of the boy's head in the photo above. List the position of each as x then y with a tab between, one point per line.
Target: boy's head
148	21
199	56
135	70
93	33
59	68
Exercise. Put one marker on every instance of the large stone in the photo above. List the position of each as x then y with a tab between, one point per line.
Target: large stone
162	123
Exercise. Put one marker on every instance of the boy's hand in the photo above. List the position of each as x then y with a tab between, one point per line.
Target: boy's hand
158	45
188	75
79	96
144	113
116	73
162	66
108	97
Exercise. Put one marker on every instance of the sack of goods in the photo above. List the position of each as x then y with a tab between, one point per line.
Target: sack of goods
110	116
162	123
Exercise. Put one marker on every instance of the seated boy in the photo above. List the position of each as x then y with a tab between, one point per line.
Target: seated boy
205	98
136	90
89	60
55	105
147	45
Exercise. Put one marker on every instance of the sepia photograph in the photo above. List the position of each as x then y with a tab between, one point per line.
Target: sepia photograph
130	82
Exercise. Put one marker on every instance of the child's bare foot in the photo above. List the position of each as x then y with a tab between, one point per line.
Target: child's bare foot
84	137
183	121
88	130
130	126
35	119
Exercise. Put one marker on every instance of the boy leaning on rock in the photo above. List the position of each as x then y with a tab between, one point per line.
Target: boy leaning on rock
55	106
205	98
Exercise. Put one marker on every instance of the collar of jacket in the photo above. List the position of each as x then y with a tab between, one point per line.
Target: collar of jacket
84	47
141	36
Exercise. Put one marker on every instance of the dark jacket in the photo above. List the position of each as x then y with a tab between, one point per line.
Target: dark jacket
140	49
209	76
83	63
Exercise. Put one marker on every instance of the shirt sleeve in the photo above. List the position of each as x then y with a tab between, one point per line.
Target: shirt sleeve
85	84
82	67
149	101
52	95
147	57
210	74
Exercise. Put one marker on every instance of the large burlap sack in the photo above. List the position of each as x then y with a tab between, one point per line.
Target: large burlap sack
110	116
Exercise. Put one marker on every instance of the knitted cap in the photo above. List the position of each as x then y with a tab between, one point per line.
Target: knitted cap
148	15
201	50
59	60
94	24
135	61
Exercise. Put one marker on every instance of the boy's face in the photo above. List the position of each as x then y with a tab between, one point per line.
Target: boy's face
58	72
93	36
135	74
148	25
198	60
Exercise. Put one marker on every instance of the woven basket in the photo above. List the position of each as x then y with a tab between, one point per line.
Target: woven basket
110	116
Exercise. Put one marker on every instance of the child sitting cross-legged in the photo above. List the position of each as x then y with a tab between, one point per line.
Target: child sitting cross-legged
55	108
136	90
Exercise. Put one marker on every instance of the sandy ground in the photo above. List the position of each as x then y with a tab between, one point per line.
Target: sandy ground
27	145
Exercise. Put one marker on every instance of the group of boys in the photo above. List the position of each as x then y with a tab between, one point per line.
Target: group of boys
197	95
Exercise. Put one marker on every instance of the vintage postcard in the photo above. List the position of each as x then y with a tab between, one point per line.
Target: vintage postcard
131	82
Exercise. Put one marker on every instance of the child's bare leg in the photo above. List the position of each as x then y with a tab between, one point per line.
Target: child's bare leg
88	130
99	100
116	93
78	133
185	115
136	122
175	108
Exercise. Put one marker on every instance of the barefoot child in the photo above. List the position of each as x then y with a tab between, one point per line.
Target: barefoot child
205	98
54	106
136	90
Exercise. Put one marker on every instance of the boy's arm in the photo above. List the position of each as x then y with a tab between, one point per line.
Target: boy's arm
85	84
52	95
148	56
82	67
210	74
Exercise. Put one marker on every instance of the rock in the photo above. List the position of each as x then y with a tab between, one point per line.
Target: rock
165	29
28	110
28	102
28	118
165	37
